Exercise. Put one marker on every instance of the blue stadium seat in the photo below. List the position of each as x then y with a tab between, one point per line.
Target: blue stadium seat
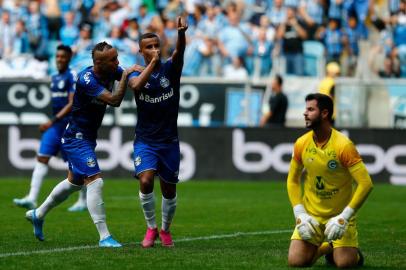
314	60
402	60
51	47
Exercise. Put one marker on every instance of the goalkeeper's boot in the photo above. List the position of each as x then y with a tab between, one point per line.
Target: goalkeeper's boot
25	203
329	257
36	223
360	259
166	238
109	242
78	207
150	236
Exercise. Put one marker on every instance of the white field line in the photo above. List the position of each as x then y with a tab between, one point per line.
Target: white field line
188	239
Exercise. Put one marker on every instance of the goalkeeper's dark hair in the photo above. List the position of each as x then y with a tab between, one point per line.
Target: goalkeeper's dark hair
101	46
324	102
64	48
147	35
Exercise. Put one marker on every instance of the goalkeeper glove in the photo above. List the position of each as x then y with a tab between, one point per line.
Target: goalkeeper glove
306	225
337	225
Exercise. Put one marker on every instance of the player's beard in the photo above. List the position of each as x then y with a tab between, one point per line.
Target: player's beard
313	124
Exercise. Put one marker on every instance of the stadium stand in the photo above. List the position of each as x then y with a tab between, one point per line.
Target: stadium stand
218	32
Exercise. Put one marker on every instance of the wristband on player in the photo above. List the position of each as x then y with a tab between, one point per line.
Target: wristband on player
299	209
347	213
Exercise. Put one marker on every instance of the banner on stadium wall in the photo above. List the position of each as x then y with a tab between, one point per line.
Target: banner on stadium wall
211	153
202	103
28	103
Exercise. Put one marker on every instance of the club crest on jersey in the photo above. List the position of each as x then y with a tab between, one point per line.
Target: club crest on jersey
332	164
86	77
90	162
61	84
164	82
137	161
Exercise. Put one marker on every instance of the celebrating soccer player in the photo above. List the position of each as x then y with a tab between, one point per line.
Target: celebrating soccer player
325	212
156	145
94	90
62	90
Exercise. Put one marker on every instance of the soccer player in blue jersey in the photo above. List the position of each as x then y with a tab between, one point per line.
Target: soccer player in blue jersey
62	90
94	90
156	146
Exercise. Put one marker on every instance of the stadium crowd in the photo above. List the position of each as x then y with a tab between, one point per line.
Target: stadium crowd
238	38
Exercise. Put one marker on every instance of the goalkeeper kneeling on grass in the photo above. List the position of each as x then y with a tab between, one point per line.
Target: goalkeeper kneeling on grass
325	211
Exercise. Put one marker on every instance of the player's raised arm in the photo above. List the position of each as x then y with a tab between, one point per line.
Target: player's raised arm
177	56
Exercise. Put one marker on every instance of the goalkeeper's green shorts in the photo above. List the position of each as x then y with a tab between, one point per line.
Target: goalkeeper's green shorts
349	239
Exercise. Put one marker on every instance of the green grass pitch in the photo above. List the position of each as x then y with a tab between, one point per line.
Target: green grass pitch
218	225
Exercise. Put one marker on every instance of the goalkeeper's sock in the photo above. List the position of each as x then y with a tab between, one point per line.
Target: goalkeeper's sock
168	212
60	193
148	207
40	170
95	205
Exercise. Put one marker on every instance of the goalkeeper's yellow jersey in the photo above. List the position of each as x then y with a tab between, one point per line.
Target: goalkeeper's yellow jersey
328	184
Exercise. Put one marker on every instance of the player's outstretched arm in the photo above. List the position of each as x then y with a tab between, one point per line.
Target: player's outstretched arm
61	114
177	55
136	83
114	99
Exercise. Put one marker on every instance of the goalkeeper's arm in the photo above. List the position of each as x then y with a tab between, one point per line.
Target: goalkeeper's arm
305	223
336	226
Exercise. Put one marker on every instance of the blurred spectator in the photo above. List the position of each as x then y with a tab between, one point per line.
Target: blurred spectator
145	17
335	10
292	33
84	43
332	37
235	70
277	13
122	43
311	12
133	30
20	39
37	31
351	49
358	8
265	23
389	67
69	32
174	9
54	18
262	54
277	106
102	25
6	35
234	38
171	36
18	11
118	12
85	8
